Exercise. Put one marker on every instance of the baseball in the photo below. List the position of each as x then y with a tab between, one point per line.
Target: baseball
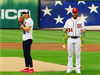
63	46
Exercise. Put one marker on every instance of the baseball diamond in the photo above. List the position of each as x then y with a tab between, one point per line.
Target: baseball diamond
49	37
51	52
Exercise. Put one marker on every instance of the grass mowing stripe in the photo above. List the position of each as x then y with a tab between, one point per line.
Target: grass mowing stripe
40	36
93	40
93	37
43	31
49	36
86	41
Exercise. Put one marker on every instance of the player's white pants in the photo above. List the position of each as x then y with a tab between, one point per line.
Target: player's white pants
74	44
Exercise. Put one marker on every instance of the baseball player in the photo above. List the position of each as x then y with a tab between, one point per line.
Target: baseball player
27	28
74	26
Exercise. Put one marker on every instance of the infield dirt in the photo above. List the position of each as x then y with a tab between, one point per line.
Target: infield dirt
49	46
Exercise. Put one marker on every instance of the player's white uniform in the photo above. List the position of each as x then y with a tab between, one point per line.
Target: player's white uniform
28	22
74	30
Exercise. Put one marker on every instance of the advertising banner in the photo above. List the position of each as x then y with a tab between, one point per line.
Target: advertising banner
10	11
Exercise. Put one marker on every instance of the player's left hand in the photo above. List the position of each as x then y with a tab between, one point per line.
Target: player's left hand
20	21
82	45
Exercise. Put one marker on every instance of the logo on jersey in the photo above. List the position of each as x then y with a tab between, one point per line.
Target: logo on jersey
25	24
79	25
24	32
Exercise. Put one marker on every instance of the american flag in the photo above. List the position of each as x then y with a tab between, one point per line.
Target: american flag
55	13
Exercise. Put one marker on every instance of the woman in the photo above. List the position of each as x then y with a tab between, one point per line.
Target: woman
27	28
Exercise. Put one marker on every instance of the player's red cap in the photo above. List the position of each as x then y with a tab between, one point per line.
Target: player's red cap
75	10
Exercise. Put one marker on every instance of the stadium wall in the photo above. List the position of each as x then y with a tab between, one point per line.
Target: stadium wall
10	10
60	11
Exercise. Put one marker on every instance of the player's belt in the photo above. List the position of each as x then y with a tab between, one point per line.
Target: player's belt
74	37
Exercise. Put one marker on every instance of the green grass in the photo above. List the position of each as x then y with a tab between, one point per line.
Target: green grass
89	60
40	36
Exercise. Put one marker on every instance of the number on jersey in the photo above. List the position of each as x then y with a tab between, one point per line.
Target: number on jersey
70	29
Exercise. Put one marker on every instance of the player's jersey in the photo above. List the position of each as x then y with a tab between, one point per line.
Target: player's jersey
74	26
28	22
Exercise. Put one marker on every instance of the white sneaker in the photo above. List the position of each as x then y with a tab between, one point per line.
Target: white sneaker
78	71
69	71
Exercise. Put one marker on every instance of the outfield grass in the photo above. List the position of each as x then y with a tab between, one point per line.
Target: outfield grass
40	36
89	60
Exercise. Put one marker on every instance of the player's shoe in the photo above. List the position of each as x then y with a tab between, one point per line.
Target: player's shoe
24	70
78	71
69	71
30	71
